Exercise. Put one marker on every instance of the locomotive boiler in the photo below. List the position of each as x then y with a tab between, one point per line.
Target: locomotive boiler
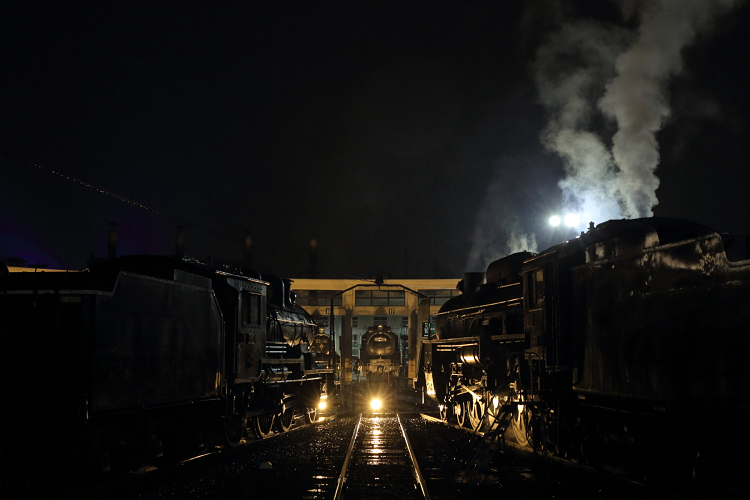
151	355
623	347
380	356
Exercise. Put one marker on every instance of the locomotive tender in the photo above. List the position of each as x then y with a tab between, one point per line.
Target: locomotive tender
152	354
625	347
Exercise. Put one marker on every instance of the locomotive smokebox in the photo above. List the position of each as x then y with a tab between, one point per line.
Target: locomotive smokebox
471	283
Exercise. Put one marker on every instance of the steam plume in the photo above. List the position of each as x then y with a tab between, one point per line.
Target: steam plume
499	227
591	75
636	66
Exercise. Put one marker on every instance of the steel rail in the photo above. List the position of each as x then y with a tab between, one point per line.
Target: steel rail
417	470
339	494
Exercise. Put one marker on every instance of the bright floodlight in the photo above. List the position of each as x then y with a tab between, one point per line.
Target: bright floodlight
375	404
571	220
554	221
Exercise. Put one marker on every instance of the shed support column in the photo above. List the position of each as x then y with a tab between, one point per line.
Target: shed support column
422	318
346	346
413	331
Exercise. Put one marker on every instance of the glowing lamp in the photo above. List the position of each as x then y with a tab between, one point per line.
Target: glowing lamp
554	221
375	404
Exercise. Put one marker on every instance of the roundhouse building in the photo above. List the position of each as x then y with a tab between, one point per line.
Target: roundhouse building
408	306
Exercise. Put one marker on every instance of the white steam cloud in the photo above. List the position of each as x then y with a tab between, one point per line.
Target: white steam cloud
588	70
591	77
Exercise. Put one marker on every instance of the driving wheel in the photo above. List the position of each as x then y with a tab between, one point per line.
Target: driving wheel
263	425
285	420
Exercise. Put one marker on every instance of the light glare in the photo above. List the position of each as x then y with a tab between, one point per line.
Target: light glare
375	404
554	221
571	220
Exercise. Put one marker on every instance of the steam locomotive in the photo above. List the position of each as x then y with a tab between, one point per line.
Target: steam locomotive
322	349
625	348
379	355
151	355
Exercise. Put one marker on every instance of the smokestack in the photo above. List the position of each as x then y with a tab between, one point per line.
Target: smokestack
471	283
247	260
313	255
112	243
180	241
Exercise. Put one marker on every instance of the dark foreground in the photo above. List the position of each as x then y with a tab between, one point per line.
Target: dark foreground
295	464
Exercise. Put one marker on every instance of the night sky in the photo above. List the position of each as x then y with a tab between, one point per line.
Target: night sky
408	136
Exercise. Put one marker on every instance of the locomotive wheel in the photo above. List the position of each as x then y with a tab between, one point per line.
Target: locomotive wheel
476	414
234	429
443	412
263	426
460	411
285	420
311	415
519	426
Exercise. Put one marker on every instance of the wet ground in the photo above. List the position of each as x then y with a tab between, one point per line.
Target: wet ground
286	465
281	467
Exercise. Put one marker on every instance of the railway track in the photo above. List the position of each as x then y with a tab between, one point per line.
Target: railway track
539	473
380	463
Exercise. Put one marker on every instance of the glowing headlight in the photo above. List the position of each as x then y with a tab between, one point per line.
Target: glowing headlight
554	221
322	405
375	404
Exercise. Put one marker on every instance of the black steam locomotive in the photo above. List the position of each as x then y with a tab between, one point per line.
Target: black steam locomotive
322	349
379	355
151	355
625	347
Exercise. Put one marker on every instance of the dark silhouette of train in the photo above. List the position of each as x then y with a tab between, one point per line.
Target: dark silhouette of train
379	355
323	350
625	348
151	356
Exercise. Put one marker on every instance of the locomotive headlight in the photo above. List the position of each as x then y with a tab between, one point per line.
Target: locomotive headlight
375	404
554	221
322	405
